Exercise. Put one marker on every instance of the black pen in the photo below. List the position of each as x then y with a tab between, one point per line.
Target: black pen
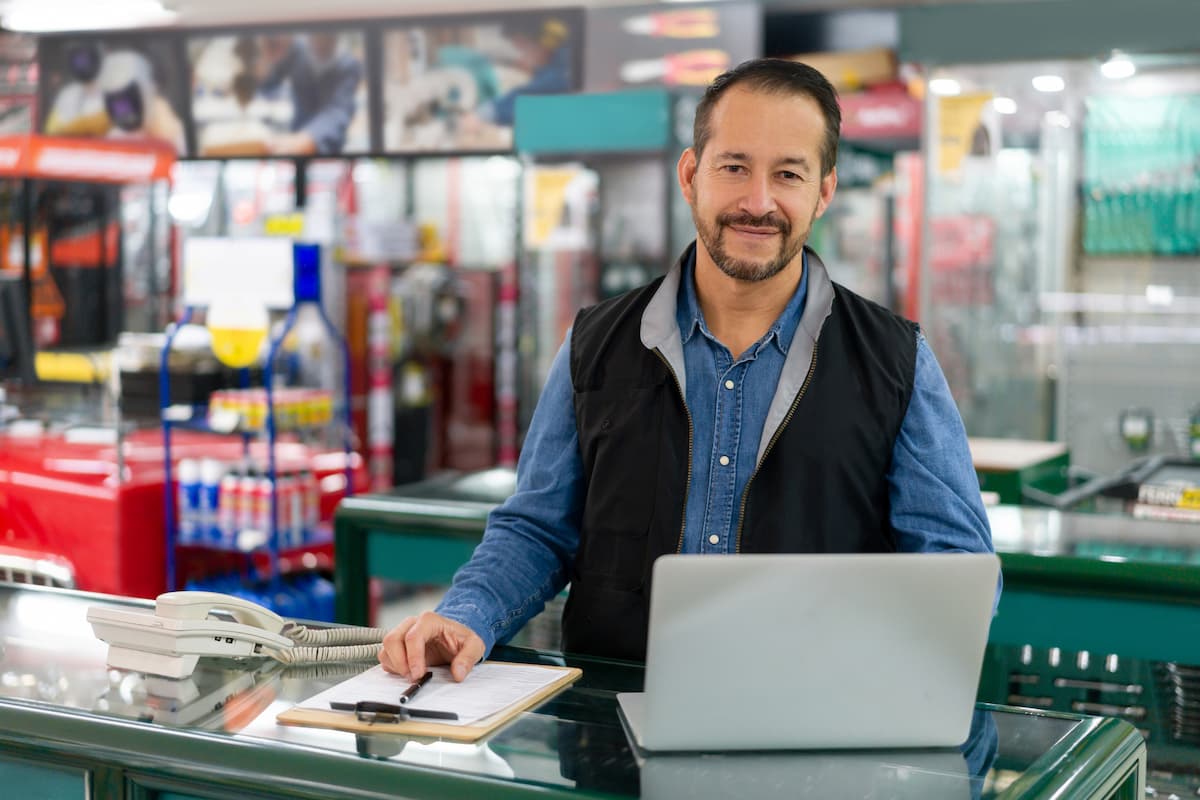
370	711
411	691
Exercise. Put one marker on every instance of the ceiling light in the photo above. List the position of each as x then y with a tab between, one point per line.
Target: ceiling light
946	87
1118	67
1049	83
49	16
1004	105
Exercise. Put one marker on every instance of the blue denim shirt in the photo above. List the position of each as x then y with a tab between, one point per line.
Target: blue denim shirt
532	537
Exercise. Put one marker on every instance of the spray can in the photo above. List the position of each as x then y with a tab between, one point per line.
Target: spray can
297	503
247	484
312	505
227	511
189	501
211	473
263	489
285	489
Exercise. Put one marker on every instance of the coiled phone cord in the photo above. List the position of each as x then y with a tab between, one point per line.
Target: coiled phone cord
319	655
325	645
322	637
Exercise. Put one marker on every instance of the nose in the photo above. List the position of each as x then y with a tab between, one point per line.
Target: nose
758	199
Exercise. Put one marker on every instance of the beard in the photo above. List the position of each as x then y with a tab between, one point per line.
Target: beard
713	237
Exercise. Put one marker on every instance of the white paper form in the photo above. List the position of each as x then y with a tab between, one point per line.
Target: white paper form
488	688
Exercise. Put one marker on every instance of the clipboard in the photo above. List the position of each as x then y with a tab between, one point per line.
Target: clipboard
346	721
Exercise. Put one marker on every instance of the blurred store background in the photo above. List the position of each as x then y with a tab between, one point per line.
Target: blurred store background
388	213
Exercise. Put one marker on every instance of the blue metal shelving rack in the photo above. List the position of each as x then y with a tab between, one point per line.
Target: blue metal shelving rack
306	290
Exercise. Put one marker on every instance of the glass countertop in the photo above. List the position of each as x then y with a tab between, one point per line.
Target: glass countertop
573	741
1103	537
491	486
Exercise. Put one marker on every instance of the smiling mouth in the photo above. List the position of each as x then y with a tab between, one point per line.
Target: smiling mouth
761	233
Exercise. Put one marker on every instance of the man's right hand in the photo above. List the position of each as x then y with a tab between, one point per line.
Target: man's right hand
430	640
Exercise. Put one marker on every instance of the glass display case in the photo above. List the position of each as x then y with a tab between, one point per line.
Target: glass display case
1094	619
72	727
1060	269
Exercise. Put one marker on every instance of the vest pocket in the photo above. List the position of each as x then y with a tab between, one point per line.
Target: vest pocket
613	559
604	621
620	441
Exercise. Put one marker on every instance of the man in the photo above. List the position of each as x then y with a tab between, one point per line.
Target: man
324	86
78	108
545	55
743	403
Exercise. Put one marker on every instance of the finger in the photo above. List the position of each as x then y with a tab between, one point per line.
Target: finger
468	656
426	627
394	654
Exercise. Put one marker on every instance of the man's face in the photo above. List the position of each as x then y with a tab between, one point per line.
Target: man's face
532	55
323	48
757	187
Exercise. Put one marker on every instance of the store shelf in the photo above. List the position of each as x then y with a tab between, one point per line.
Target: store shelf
205	560
197	418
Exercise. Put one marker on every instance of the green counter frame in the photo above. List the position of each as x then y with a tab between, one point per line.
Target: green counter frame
411	541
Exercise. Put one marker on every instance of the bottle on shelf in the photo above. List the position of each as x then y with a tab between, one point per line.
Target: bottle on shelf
212	473
247	485
189	501
229	508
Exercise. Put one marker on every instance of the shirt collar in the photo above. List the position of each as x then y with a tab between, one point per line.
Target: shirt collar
691	319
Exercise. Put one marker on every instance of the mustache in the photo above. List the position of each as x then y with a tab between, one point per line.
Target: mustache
751	221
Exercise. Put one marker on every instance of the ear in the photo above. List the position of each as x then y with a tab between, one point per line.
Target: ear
828	187
686	170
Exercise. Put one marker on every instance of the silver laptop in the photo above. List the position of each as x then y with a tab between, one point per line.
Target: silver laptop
766	652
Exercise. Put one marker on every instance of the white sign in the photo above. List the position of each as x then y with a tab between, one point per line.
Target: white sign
251	269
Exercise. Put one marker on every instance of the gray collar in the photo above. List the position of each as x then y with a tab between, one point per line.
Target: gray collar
660	331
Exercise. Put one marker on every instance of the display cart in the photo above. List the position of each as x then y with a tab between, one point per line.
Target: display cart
262	524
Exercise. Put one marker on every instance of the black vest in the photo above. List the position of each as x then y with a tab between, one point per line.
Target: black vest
820	487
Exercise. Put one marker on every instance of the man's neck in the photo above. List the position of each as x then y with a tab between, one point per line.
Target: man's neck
739	313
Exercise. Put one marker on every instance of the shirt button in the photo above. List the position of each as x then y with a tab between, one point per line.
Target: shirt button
724	461
714	539
728	384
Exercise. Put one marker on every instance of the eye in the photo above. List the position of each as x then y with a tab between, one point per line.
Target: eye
733	169
788	175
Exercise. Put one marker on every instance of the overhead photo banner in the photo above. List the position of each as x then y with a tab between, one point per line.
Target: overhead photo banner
280	93
114	87
453	86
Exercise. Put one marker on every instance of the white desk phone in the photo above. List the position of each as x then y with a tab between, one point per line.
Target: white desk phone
186	625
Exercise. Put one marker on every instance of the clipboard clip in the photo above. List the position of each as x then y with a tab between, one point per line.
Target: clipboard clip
371	711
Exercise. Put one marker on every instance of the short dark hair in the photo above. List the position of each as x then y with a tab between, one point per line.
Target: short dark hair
774	76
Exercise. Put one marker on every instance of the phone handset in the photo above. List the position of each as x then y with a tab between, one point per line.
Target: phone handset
198	605
170	640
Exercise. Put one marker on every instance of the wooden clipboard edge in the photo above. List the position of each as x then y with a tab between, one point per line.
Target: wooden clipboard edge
343	721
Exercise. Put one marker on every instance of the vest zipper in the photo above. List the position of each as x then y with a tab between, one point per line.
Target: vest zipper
687	487
812	368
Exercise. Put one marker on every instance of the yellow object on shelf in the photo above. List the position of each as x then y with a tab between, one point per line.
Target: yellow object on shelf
237	347
73	367
238	327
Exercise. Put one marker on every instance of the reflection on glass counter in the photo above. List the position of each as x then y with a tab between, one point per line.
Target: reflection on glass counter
1112	537
217	730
